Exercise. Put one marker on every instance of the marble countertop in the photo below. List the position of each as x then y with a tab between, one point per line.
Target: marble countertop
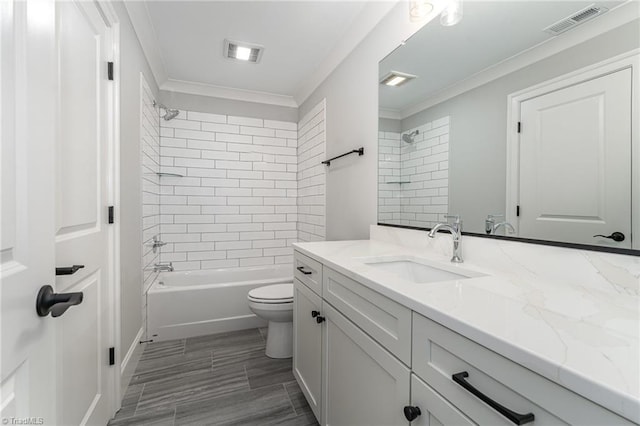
577	329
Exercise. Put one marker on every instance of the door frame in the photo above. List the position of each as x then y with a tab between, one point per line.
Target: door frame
630	59
112	21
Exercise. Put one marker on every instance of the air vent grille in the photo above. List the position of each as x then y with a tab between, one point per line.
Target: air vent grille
575	19
241	51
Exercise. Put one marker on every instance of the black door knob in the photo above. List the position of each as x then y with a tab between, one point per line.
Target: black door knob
411	413
320	319
616	236
55	303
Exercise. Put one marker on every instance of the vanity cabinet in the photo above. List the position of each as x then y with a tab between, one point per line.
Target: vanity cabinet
307	344
364	384
364	359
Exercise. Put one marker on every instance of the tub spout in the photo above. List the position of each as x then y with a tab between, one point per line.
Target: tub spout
163	267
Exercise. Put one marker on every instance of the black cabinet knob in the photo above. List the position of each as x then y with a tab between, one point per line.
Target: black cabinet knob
411	413
315	314
320	319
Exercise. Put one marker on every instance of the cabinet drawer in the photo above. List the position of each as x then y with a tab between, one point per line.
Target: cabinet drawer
439	353
435	410
383	319
308	271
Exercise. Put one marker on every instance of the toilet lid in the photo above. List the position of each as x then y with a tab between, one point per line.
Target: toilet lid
277	293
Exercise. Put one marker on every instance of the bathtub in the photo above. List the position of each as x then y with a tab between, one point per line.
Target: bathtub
188	304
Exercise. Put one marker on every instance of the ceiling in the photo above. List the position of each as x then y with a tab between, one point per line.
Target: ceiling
490	32
183	41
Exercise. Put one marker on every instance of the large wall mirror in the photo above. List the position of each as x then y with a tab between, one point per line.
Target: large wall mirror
522	119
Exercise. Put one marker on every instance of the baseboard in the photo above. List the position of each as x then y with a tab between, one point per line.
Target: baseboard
130	361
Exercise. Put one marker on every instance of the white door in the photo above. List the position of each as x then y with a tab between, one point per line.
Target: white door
434	409
27	133
85	333
575	163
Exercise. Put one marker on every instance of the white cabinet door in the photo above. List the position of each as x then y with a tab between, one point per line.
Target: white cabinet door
575	162
434	409
363	384
307	345
82	232
27	132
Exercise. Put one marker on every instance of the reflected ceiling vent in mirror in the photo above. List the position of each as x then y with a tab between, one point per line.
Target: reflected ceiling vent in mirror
241	51
396	79
574	20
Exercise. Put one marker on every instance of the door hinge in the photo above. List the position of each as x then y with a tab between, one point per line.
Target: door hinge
112	356
519	127
111	214
110	70
517	210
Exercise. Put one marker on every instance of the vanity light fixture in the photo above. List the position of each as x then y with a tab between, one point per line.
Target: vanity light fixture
241	51
452	14
396	78
419	9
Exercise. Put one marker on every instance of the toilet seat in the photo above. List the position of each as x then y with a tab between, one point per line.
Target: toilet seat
272	294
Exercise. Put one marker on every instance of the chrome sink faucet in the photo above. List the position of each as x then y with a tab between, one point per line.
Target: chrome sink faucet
491	227
455	229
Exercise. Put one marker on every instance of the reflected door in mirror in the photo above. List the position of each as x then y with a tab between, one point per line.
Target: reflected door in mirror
575	162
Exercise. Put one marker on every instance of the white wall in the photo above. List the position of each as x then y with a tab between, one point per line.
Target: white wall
236	202
132	63
351	93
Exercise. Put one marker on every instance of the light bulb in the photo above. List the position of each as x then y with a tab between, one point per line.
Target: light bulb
419	9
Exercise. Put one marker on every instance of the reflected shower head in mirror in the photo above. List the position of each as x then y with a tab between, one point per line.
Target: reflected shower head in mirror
409	137
169	113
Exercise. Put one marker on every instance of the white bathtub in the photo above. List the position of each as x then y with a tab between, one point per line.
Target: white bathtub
187	304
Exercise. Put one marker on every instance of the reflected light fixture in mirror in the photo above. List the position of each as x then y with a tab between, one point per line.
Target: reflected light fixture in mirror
419	9
452	14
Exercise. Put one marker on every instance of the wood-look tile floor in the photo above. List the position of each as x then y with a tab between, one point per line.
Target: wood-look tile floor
222	379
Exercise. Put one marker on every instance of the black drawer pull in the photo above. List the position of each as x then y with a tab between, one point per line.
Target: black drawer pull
519	419
301	269
68	270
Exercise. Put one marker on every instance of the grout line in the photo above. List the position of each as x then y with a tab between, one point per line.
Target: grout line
175	413
290	400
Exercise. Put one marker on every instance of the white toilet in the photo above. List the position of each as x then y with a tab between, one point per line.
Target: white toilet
275	304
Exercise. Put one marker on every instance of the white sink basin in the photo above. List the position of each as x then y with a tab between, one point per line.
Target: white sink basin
419	271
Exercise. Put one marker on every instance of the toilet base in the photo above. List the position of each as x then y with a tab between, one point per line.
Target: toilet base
280	340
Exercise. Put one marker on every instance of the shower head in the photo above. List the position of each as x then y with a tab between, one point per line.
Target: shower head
409	137
169	113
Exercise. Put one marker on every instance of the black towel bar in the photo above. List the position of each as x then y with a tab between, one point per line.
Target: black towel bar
359	151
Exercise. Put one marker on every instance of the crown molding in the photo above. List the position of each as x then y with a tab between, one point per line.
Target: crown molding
203	89
617	17
144	29
392	114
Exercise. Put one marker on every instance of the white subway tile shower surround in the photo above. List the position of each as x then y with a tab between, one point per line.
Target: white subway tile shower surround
414	178
312	175
150	166
236	204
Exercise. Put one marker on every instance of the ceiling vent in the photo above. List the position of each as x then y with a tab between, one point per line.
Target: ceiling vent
241	51
574	20
396	78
